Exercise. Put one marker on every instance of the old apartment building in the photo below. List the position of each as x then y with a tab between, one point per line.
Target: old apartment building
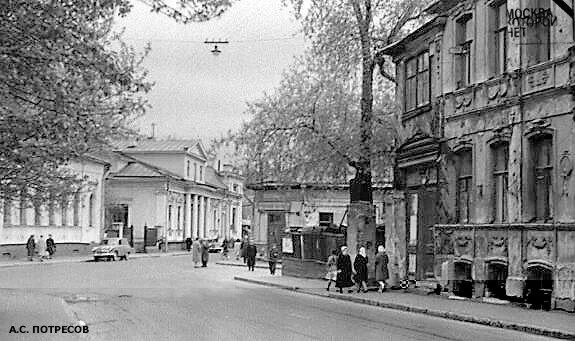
485	88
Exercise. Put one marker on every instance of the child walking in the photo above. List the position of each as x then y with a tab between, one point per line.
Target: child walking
331	275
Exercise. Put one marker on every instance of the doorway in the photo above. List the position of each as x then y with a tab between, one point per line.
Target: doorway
496	278
539	287
463	283
421	216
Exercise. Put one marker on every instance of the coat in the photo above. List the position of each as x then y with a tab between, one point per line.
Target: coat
381	262
205	252
196	251
50	246
41	244
344	272
30	246
360	266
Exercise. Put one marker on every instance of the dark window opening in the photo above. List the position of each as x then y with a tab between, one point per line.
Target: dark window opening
464	185
325	219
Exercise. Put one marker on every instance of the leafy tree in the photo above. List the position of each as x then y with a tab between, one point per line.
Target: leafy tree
69	85
321	120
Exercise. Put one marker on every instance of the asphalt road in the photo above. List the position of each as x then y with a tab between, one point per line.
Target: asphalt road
168	299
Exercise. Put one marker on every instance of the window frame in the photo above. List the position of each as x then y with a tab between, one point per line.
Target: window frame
418	76
325	222
463	60
537	170
498	34
500	182
463	181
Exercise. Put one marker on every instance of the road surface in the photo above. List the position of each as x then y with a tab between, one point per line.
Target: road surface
168	299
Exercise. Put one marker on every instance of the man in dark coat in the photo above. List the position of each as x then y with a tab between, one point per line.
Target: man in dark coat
205	253
273	259
360	266
251	252
381	272
50	246
31	247
344	271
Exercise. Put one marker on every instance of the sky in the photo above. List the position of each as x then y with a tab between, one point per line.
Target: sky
200	95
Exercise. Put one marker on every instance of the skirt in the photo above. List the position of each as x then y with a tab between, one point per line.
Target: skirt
331	275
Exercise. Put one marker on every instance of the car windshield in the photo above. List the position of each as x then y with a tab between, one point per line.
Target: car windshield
109	242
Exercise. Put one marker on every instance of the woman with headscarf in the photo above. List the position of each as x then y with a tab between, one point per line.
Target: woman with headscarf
30	247
381	272
344	271
205	253
360	266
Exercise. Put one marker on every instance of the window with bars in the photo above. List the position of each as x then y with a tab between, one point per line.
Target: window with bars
499	33
417	81
500	178
542	148
464	40
464	185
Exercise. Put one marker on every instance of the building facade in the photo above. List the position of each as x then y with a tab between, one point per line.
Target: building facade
74	222
280	208
175	189
486	89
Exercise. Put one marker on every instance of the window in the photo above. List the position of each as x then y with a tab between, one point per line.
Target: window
538	37
7	212
499	33
195	172
417	81
51	210
64	212
464	186
464	39
219	166
169	216
77	209
543	166
23	206
201	173
37	213
92	210
235	187
500	162
233	217
188	168
325	219
179	217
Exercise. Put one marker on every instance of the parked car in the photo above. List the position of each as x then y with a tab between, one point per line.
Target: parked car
215	246
112	249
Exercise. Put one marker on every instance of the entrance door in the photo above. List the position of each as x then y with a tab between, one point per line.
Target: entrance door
276	226
116	217
539	287
420	219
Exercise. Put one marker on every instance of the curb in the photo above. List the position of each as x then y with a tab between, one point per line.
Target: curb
436	313
87	259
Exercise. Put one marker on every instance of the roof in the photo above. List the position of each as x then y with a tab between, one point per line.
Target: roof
192	146
138	168
398	47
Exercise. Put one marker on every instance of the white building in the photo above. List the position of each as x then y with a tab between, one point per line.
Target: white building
74	224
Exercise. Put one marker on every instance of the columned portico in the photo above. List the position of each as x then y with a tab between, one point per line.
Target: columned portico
202	217
194	217
188	216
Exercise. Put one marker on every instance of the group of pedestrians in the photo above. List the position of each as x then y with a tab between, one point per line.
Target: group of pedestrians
340	270
44	249
200	252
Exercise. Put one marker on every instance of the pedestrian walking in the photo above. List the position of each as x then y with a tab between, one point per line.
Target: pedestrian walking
189	243
225	249
250	255
331	275
196	252
205	253
243	248
31	247
273	259
360	266
41	246
238	248
50	246
344	271
381	272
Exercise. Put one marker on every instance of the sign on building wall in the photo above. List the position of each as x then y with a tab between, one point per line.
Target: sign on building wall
287	245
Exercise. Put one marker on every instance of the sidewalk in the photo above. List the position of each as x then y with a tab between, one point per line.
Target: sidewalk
547	323
83	258
260	264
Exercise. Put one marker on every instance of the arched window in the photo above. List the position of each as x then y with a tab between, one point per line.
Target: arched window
77	208
92	210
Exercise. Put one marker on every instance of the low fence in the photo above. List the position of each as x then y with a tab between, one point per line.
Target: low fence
310	252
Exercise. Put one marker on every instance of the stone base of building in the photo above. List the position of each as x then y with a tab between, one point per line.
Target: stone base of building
303	268
565	304
18	251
